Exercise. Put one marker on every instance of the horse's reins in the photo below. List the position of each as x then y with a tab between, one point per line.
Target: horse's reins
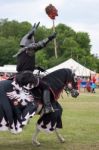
46	72
57	79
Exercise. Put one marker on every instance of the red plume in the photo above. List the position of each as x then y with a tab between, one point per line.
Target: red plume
51	11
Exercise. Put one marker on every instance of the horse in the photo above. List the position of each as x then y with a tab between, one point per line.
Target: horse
59	80
15	117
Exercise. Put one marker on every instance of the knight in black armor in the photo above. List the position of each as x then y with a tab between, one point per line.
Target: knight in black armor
26	54
26	57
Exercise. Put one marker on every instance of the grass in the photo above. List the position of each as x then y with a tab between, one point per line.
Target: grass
80	127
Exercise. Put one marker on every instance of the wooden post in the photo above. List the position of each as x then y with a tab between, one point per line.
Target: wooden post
55	45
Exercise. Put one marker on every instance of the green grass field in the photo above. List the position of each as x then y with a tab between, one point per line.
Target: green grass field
80	128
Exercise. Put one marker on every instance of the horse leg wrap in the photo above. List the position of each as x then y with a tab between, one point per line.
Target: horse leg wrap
59	136
34	138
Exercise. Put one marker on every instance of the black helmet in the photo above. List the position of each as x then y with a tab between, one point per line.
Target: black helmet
25	41
29	37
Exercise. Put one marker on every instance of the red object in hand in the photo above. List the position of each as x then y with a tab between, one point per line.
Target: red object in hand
51	11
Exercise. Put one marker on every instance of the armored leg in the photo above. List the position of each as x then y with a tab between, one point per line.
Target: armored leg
47	104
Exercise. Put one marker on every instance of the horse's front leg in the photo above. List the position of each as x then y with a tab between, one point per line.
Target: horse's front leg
59	136
34	138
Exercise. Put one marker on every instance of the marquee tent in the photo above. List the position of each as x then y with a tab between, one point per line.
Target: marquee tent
8	68
79	69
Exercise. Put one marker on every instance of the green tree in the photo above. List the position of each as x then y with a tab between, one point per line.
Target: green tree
69	44
8	47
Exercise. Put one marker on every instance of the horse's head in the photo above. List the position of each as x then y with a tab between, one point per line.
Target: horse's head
72	86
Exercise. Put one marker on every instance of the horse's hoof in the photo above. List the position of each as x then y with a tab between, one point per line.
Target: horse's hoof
37	143
62	140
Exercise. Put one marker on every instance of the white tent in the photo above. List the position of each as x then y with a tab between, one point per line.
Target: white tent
1	69
75	66
8	68
72	64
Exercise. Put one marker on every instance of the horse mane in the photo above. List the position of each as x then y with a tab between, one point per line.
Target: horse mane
58	78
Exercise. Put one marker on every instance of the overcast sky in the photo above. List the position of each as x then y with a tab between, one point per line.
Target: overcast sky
80	15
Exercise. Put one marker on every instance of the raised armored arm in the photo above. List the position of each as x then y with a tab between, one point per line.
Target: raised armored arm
41	44
33	47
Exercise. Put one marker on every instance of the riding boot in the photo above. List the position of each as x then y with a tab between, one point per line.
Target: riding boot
47	104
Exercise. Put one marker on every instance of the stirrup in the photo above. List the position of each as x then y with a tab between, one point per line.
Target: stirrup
48	110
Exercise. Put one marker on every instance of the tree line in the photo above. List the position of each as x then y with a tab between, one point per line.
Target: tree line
69	44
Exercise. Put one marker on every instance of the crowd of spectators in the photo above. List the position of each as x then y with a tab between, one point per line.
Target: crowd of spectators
88	84
4	76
